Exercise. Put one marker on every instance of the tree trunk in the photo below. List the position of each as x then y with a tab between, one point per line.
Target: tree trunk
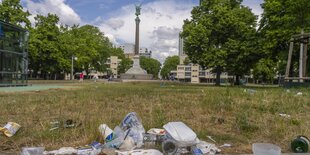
237	82
218	76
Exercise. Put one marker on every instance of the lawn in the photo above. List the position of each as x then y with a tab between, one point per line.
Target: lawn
228	114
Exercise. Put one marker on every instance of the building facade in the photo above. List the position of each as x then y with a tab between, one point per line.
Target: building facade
13	55
113	63
193	73
129	51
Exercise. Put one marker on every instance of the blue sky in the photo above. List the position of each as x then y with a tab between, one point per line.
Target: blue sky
161	20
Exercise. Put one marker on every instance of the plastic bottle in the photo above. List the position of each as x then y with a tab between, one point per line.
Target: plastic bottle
300	144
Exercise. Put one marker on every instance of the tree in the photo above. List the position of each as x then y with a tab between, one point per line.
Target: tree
86	43
265	70
44	53
152	66
219	36
170	64
11	11
282	19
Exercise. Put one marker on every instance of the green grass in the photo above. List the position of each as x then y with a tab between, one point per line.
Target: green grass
228	114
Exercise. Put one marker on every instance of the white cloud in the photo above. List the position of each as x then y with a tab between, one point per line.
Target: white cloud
66	14
161	22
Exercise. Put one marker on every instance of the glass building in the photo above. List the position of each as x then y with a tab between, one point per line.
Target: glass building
13	55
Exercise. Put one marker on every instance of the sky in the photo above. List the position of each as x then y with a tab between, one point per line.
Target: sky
161	20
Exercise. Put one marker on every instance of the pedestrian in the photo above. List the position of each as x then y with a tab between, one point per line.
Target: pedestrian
96	77
81	77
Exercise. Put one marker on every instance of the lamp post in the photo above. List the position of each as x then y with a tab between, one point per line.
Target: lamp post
72	59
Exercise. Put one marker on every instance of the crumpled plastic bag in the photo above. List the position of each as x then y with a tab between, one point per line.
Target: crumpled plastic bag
132	125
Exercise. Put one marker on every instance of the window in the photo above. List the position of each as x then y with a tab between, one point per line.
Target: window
13	55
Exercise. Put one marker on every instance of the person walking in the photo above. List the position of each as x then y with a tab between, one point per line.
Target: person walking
96	77
81	77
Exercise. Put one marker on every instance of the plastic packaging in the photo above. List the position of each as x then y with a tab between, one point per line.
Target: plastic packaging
63	151
106	132
150	140
182	134
10	129
132	124
119	136
207	148
156	131
266	149
131	120
32	151
128	144
140	152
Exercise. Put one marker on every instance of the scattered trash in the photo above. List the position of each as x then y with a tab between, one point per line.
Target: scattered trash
156	131
109	151
140	152
69	123
129	138
288	91
226	145
54	125
211	139
266	149
207	148
285	115
10	129
150	140
32	151
106	132
179	137
300	145
62	151
250	91
133	122
299	94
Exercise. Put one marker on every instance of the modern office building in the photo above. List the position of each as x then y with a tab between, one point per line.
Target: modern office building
13	55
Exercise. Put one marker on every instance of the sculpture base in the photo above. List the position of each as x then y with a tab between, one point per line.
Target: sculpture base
136	76
136	72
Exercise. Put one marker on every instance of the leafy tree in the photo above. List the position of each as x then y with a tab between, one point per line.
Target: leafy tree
170	64
265	70
86	43
11	11
219	36
44	53
152	66
282	19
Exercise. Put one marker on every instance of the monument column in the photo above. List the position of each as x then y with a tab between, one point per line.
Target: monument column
137	36
136	72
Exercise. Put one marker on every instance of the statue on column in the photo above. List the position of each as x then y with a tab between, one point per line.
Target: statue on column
138	10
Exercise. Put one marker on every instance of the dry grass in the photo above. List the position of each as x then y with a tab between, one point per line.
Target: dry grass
227	113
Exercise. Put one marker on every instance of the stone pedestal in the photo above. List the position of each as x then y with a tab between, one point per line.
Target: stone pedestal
136	72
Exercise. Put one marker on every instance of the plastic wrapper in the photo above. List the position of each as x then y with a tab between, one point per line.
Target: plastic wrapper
32	151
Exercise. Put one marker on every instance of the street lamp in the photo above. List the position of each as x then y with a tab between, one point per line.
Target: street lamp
72	59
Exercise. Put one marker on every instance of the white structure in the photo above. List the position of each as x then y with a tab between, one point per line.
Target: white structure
192	72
